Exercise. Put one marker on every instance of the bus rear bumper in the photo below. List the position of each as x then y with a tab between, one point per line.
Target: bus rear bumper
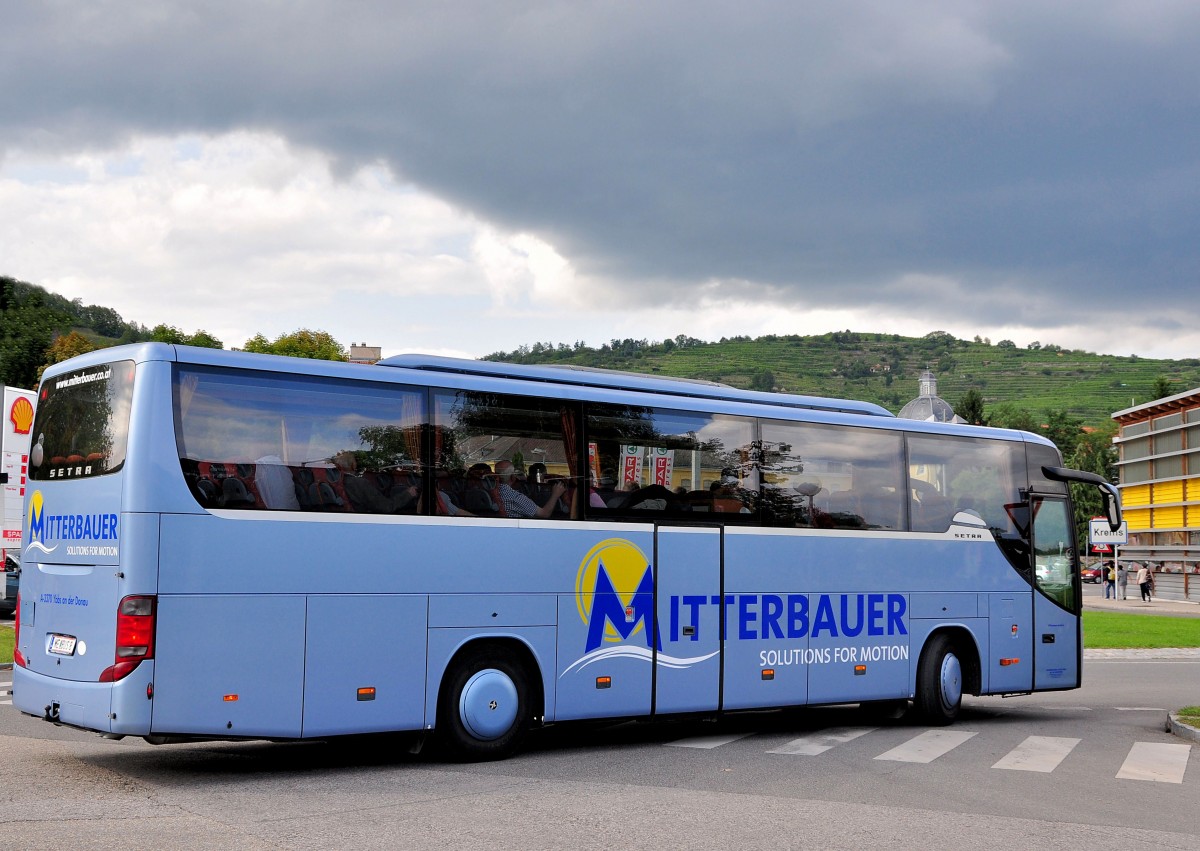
123	708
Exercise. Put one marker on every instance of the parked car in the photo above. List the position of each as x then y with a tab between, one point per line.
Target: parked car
1090	574
12	578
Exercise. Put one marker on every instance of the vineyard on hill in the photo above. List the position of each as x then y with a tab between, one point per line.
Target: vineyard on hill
885	368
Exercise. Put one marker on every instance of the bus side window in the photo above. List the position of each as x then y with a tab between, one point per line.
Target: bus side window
823	476
490	433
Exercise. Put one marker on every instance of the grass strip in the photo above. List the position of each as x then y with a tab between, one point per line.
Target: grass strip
1115	630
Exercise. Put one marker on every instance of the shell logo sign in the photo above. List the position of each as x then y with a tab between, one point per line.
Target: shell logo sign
21	415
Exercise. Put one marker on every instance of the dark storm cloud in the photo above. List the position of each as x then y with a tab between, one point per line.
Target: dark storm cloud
1036	160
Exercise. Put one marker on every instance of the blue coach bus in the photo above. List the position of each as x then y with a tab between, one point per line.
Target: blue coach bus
224	545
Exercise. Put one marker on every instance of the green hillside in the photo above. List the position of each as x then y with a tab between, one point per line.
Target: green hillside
885	368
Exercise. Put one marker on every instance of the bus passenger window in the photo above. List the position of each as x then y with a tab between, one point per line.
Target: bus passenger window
645	463
283	442
518	454
948	475
832	477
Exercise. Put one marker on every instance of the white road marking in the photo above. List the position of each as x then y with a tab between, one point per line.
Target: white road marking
707	742
1161	763
820	742
1038	753
927	747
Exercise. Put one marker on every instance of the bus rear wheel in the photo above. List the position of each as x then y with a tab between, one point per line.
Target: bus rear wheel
484	709
939	682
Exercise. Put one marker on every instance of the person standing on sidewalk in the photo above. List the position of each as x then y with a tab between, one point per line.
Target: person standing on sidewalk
1110	581
1123	581
1143	581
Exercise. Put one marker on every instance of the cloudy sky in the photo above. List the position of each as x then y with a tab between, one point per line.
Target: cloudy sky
468	177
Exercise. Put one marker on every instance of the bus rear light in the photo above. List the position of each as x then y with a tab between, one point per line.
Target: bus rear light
135	637
18	656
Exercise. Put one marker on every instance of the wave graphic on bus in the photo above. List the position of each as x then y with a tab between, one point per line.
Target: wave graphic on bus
628	652
37	526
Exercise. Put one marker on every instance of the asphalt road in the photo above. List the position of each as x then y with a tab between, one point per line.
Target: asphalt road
1088	769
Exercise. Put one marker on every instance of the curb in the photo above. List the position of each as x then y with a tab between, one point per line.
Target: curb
1182	728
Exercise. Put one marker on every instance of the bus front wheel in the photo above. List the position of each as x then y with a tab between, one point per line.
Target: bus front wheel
939	682
484	709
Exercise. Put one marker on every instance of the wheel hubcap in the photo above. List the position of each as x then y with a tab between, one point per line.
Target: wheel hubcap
951	680
488	704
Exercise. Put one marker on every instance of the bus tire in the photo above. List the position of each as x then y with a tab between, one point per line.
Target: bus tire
484	708
939	682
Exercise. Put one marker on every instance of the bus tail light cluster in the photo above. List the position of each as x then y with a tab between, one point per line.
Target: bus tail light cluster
135	637
18	656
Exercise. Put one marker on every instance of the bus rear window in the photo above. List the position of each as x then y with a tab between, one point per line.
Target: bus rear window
82	423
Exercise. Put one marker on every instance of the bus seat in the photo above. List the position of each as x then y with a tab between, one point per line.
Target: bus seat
323	497
207	493
479	499
235	494
326	492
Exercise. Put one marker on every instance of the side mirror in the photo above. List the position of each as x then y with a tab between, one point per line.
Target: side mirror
1112	497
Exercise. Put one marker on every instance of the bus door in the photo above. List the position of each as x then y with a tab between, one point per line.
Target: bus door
688	656
1056	637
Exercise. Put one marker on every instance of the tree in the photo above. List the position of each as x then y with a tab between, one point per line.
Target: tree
970	407
64	347
764	380
1094	453
1011	416
171	334
1162	388
1064	429
318	345
28	325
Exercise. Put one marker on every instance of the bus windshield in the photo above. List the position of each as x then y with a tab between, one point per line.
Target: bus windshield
82	423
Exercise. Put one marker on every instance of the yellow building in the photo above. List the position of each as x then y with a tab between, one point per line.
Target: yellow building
1159	461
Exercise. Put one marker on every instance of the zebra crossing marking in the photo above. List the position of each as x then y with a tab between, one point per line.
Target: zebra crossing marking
1161	763
818	743
1146	761
927	747
1038	753
707	742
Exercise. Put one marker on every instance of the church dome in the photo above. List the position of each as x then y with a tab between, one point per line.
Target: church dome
930	407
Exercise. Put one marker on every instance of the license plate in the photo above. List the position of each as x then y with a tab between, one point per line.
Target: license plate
62	645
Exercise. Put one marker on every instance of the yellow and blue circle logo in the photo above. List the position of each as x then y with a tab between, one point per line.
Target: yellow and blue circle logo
614	591
37	527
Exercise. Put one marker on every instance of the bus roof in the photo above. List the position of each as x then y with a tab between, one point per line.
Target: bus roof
613	379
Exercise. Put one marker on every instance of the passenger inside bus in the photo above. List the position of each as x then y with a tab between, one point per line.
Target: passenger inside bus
517	504
365	495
